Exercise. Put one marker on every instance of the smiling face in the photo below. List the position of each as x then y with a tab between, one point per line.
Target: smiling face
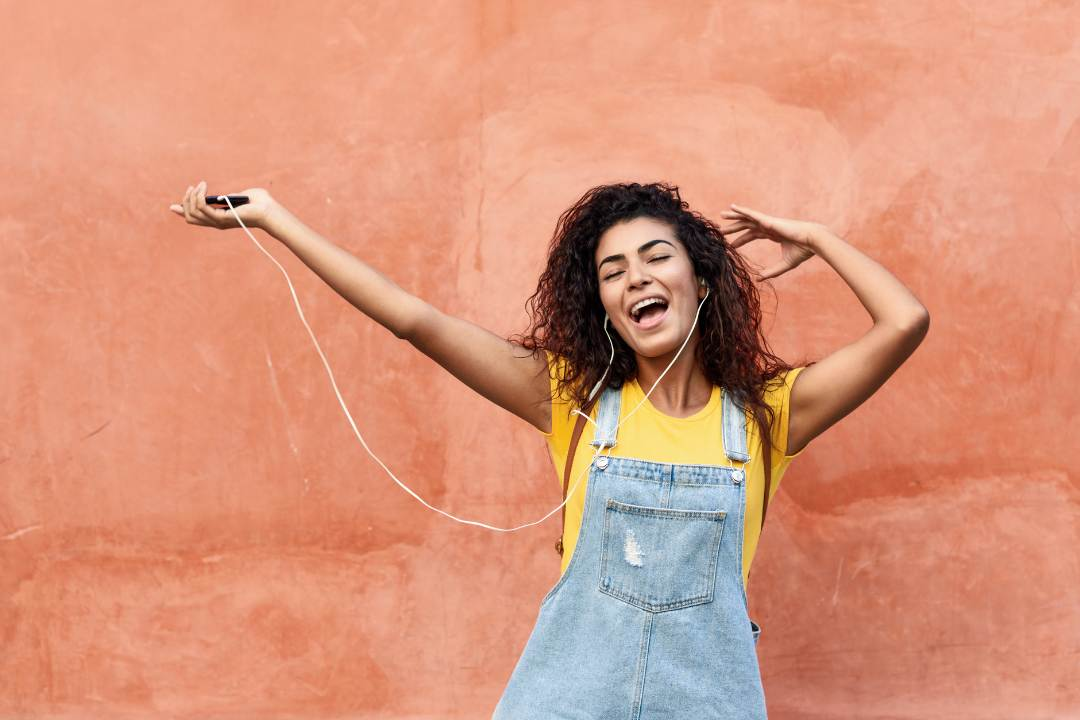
641	259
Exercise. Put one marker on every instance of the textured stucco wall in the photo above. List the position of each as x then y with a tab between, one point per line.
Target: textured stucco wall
189	528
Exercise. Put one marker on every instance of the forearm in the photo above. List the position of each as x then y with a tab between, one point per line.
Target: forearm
888	300
366	289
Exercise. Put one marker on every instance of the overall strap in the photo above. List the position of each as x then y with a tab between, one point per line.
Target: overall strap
734	423
607	417
607	421
737	440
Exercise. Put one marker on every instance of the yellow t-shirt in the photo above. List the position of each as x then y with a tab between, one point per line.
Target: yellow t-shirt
652	435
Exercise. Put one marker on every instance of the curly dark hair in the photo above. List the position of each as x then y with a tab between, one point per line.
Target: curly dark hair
567	317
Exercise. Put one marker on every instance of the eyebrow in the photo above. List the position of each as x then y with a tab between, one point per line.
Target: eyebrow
620	256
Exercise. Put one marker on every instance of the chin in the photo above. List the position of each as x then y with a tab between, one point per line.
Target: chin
660	344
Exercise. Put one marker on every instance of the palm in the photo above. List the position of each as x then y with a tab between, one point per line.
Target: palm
195	210
794	236
255	211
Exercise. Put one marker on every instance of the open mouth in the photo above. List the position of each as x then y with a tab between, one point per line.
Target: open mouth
650	314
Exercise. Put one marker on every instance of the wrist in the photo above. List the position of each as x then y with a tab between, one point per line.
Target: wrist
275	219
820	238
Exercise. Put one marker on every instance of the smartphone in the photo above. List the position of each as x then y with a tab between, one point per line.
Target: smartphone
220	200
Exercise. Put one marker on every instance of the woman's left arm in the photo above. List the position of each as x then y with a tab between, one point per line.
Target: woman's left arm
832	387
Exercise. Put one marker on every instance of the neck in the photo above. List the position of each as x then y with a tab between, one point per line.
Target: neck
684	390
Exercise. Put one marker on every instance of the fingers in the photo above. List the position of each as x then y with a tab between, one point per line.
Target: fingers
736	227
739	218
745	219
201	208
741	215
188	210
215	217
749	232
773	271
747	212
193	207
742	240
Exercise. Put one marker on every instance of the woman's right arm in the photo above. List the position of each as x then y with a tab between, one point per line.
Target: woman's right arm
498	369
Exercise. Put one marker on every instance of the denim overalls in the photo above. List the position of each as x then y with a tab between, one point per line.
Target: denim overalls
649	621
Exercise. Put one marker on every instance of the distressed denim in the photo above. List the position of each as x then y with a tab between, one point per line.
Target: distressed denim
649	621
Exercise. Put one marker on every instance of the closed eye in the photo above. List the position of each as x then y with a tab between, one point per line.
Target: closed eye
619	272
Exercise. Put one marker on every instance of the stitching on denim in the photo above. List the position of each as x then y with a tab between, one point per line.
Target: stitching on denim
742	542
642	666
603	553
666	466
608	536
665	513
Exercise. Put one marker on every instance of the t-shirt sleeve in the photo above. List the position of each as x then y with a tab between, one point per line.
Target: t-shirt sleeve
562	421
560	406
779	398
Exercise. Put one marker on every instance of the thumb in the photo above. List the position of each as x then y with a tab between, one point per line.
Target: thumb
773	271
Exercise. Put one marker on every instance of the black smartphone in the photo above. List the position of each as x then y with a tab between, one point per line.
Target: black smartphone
220	200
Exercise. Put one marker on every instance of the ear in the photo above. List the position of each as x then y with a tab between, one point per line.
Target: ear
701	288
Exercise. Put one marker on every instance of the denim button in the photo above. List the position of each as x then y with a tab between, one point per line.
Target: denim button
737	476
601	462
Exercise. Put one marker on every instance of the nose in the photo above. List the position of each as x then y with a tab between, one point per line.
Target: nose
637	274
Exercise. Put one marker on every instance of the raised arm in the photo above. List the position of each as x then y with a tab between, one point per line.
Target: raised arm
499	370
832	387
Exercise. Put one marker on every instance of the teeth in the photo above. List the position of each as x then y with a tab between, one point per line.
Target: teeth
638	306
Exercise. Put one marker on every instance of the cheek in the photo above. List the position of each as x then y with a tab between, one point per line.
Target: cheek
609	299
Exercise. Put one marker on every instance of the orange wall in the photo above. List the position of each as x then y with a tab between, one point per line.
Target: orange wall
188	526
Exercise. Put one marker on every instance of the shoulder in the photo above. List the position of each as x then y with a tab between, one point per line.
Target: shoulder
562	403
558	368
778	388
778	396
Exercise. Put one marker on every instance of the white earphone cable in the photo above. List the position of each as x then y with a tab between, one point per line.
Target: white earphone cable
360	437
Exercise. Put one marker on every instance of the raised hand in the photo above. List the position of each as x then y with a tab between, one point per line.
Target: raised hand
195	210
795	236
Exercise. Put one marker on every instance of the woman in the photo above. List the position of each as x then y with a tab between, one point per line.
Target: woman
649	617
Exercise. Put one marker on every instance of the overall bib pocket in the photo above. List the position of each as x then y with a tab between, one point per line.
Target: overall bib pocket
659	559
